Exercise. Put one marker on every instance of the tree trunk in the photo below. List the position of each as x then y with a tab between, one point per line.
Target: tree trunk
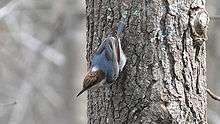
164	80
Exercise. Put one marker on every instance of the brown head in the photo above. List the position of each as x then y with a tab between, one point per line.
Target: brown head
92	78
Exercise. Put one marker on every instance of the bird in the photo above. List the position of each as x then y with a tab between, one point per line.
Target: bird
107	62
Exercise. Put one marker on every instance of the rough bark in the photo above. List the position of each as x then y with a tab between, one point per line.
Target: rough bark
164	80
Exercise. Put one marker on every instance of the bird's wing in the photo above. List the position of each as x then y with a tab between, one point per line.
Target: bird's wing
109	52
117	54
101	47
123	59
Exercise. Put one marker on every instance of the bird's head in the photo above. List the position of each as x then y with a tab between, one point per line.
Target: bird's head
92	78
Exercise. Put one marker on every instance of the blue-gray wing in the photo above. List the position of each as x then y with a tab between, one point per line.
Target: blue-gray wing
113	51
123	59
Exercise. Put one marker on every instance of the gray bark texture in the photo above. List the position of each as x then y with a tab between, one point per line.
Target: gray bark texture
164	80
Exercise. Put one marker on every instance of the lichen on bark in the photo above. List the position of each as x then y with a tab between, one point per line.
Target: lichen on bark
164	80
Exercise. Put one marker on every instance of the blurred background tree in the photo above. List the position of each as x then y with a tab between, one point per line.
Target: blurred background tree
42	49
42	61
213	59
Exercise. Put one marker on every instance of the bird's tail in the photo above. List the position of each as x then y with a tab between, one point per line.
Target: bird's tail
120	27
118	30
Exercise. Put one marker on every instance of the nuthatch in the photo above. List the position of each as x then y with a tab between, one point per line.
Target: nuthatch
107	62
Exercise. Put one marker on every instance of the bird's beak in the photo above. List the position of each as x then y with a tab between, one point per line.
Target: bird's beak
80	92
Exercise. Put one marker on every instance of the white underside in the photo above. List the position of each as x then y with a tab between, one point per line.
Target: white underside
94	69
